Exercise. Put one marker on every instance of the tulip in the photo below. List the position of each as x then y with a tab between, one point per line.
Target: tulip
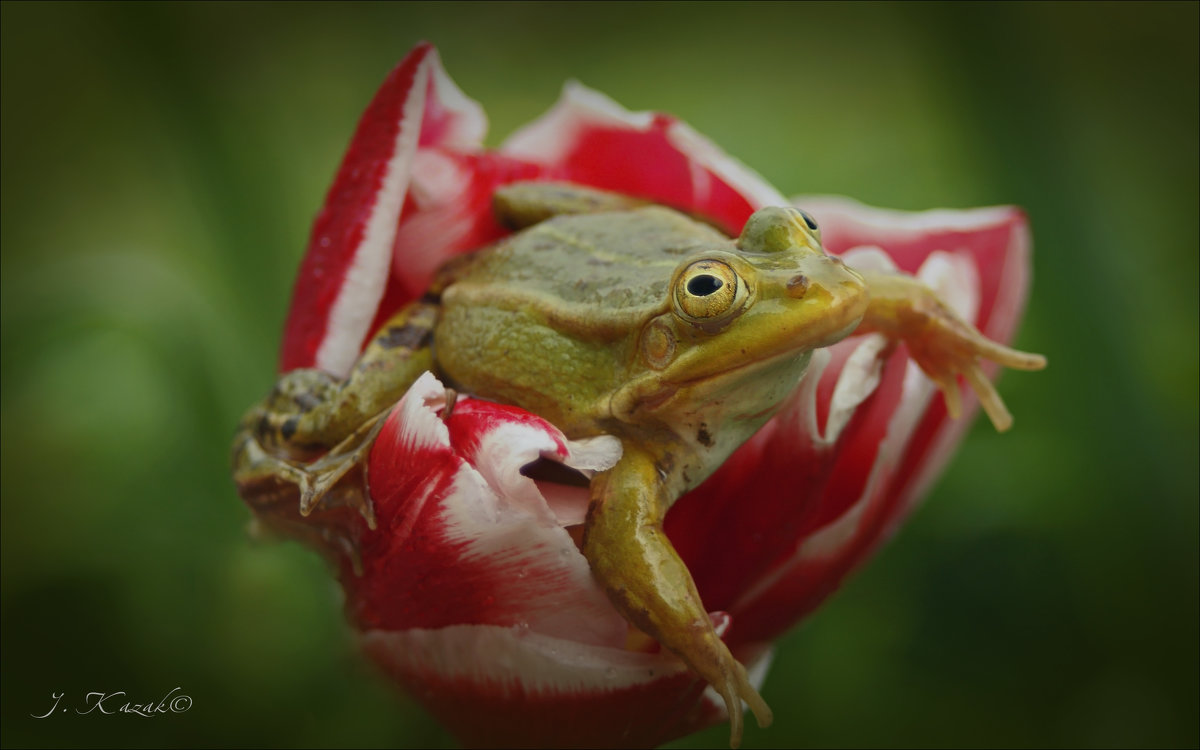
463	572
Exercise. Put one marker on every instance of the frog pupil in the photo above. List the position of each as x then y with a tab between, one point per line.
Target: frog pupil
704	285
809	221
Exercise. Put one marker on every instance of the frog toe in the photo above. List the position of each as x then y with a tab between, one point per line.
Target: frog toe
734	687
328	490
949	388
762	712
315	486
321	476
989	399
1002	355
728	690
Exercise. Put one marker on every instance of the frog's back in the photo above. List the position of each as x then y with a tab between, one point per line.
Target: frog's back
603	262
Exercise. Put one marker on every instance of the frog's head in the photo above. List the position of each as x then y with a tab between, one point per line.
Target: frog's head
742	320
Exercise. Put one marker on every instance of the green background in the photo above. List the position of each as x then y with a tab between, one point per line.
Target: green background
162	164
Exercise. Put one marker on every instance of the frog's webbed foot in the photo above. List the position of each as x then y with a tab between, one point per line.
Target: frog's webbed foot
318	477
942	343
259	472
313	429
649	584
948	346
271	486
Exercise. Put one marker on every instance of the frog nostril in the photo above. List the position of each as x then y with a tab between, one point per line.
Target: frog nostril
797	286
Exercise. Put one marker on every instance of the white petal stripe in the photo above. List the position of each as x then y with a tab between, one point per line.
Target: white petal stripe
363	286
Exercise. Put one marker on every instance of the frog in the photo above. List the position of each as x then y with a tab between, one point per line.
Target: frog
608	314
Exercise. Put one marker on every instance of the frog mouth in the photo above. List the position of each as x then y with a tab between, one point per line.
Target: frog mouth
835	322
735	373
668	388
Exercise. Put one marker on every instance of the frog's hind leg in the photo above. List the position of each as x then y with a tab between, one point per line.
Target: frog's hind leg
645	579
523	204
398	353
313	430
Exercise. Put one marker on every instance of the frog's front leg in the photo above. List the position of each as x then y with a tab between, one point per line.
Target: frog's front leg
645	579
940	342
313	429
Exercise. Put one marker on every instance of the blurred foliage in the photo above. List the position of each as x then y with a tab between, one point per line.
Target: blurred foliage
161	165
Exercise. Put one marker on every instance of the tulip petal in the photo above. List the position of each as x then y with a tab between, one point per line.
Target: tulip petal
463	536
590	139
511	687
450	213
344	272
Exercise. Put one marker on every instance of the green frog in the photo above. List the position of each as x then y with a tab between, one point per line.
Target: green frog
608	315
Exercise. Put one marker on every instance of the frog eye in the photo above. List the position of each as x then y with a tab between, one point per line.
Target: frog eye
707	289
809	221
778	229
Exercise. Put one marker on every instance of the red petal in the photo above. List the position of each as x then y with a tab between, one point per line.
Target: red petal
343	274
590	139
449	212
462	537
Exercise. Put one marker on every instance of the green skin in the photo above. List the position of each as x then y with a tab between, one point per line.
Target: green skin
610	316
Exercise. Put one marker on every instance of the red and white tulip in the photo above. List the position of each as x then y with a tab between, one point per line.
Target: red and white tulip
472	592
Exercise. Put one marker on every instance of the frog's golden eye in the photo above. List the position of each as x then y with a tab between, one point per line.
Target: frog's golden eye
707	289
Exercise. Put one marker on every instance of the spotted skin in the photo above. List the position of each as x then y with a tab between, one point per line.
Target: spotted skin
313	429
